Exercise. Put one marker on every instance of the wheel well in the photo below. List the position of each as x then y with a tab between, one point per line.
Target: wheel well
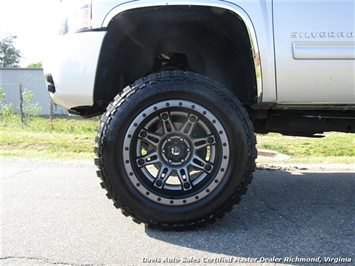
210	41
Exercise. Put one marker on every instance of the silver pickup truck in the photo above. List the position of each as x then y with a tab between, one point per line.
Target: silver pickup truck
182	85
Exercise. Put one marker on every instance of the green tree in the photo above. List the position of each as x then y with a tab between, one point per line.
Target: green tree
9	55
35	65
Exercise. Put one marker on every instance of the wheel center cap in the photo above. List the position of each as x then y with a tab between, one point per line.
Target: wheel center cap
176	150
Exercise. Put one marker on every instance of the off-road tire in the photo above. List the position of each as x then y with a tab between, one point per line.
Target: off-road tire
175	150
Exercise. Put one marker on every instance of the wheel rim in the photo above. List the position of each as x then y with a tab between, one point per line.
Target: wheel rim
176	152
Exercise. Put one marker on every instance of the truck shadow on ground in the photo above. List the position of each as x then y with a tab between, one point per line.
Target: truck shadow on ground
284	214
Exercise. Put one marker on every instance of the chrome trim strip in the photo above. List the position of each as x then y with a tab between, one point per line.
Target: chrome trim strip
239	11
324	50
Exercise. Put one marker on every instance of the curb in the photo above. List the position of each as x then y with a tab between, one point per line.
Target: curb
299	167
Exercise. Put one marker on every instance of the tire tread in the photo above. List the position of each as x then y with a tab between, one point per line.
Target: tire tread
168	76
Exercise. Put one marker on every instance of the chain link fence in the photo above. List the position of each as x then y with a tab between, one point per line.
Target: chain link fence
14	82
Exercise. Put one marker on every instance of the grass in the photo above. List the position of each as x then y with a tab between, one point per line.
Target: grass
65	138
73	138
333	148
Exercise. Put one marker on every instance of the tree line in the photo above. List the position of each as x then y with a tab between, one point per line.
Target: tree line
10	56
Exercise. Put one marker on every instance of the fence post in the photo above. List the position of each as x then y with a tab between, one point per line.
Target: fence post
21	105
51	112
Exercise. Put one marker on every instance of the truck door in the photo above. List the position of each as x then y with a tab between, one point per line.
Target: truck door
315	51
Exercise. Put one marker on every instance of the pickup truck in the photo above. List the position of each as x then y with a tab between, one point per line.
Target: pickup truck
184	85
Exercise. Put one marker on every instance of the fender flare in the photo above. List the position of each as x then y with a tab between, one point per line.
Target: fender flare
239	11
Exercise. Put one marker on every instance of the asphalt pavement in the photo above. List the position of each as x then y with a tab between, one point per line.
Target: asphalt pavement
54	212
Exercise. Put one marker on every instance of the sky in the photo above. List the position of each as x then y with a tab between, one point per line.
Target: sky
34	22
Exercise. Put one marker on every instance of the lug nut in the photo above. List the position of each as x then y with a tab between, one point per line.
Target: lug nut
187	185
210	140
143	134
208	167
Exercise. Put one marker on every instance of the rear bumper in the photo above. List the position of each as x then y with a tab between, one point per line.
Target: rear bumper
72	63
